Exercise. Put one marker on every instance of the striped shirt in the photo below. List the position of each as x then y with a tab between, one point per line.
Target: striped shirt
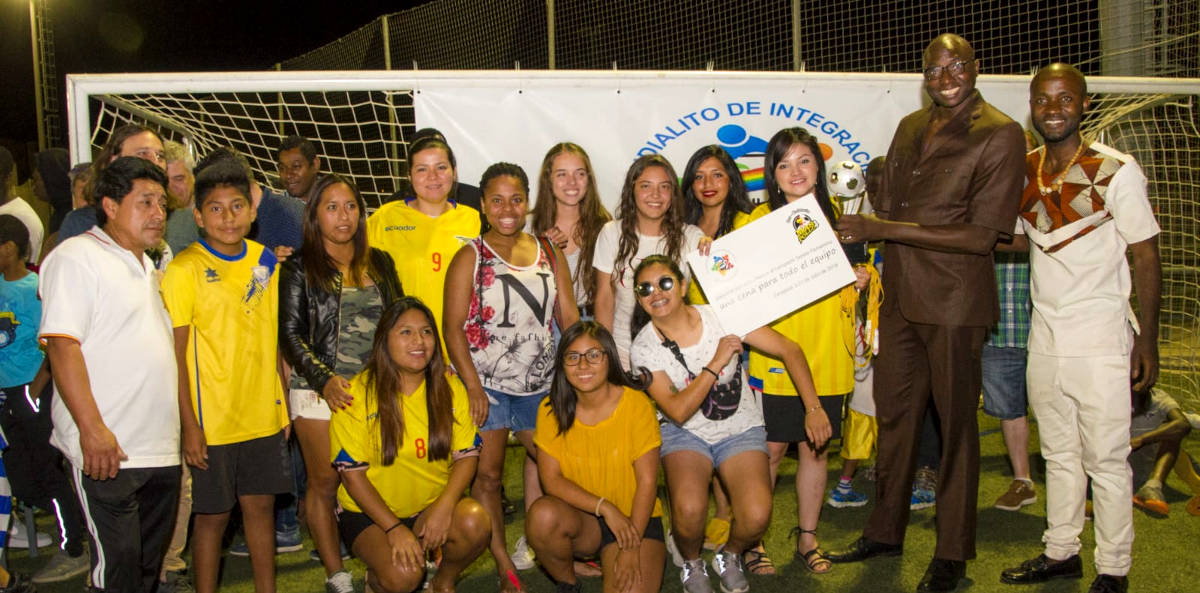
1012	283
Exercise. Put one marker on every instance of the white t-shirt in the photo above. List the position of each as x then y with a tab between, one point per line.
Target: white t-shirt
97	293
608	242
648	351
25	213
1080	292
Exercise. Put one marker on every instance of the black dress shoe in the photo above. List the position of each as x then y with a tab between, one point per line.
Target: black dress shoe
1107	583
1042	569
942	575
864	548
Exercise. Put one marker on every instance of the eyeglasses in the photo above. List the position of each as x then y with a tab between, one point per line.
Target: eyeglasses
646	289
593	356
954	68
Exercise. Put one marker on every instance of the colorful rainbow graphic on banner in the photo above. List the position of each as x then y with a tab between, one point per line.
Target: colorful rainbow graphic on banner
752	177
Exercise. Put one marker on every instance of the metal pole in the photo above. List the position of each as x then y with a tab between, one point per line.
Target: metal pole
38	100
797	64
550	31
394	150
1123	31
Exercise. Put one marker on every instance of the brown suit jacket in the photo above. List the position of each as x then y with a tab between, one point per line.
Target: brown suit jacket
973	172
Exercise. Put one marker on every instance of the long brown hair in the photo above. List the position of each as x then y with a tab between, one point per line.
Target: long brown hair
383	384
592	213
627	213
319	268
777	148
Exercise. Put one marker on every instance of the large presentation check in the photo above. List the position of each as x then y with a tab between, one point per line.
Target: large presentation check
772	266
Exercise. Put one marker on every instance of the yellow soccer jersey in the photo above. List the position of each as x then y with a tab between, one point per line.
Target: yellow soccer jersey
231	307
600	458
421	246
818	330
413	481
695	294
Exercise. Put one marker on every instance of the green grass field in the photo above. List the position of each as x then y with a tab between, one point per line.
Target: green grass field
1164	558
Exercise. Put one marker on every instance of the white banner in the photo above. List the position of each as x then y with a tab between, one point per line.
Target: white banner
514	120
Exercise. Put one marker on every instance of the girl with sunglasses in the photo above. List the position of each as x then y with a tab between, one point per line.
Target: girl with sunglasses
598	443
711	419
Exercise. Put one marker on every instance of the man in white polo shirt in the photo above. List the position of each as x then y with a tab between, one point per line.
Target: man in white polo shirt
111	352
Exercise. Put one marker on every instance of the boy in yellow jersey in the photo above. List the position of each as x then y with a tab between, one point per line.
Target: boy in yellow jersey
222	295
422	246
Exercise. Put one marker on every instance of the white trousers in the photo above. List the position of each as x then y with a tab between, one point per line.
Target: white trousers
1082	406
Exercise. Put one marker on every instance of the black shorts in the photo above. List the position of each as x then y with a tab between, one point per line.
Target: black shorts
257	466
352	524
654	530
784	416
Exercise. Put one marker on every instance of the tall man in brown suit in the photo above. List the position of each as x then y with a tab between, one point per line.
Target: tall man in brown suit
951	188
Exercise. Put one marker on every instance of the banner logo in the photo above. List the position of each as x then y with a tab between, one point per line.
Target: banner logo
803	224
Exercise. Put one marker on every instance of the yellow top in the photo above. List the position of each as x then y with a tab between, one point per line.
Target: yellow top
818	329
231	308
422	246
599	458
413	481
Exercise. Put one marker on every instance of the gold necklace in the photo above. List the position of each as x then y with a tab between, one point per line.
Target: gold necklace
1056	183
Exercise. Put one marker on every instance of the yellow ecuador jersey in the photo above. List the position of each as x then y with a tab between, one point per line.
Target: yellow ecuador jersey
413	481
818	330
600	458
230	305
422	246
695	294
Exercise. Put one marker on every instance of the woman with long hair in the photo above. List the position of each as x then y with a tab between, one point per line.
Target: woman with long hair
715	199
794	168
422	232
406	450
712	419
331	295
504	290
568	211
650	220
598	441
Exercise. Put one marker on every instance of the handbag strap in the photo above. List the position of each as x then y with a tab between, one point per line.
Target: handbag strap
670	344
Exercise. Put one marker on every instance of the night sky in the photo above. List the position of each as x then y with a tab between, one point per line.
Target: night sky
156	36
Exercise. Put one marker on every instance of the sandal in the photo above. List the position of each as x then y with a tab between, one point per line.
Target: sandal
756	561
509	583
815	559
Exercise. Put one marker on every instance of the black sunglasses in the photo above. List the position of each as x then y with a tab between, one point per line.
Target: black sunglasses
645	289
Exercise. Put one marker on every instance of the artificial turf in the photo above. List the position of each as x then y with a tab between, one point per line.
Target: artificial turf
1166	557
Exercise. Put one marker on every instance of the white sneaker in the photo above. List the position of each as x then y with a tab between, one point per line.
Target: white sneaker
728	567
522	555
339	582
694	577
18	539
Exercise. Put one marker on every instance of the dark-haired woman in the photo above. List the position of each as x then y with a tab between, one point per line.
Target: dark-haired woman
422	232
598	441
649	221
406	450
568	211
713	420
332	295
503	291
794	168
715	199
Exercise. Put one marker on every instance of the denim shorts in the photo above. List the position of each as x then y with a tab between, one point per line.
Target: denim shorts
514	412
1004	382
676	439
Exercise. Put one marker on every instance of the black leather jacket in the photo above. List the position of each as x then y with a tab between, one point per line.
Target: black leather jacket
308	316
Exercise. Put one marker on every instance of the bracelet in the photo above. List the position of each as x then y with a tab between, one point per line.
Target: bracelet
389	529
814	408
598	503
714	373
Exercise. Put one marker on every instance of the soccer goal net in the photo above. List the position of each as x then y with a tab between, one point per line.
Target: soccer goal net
363	120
